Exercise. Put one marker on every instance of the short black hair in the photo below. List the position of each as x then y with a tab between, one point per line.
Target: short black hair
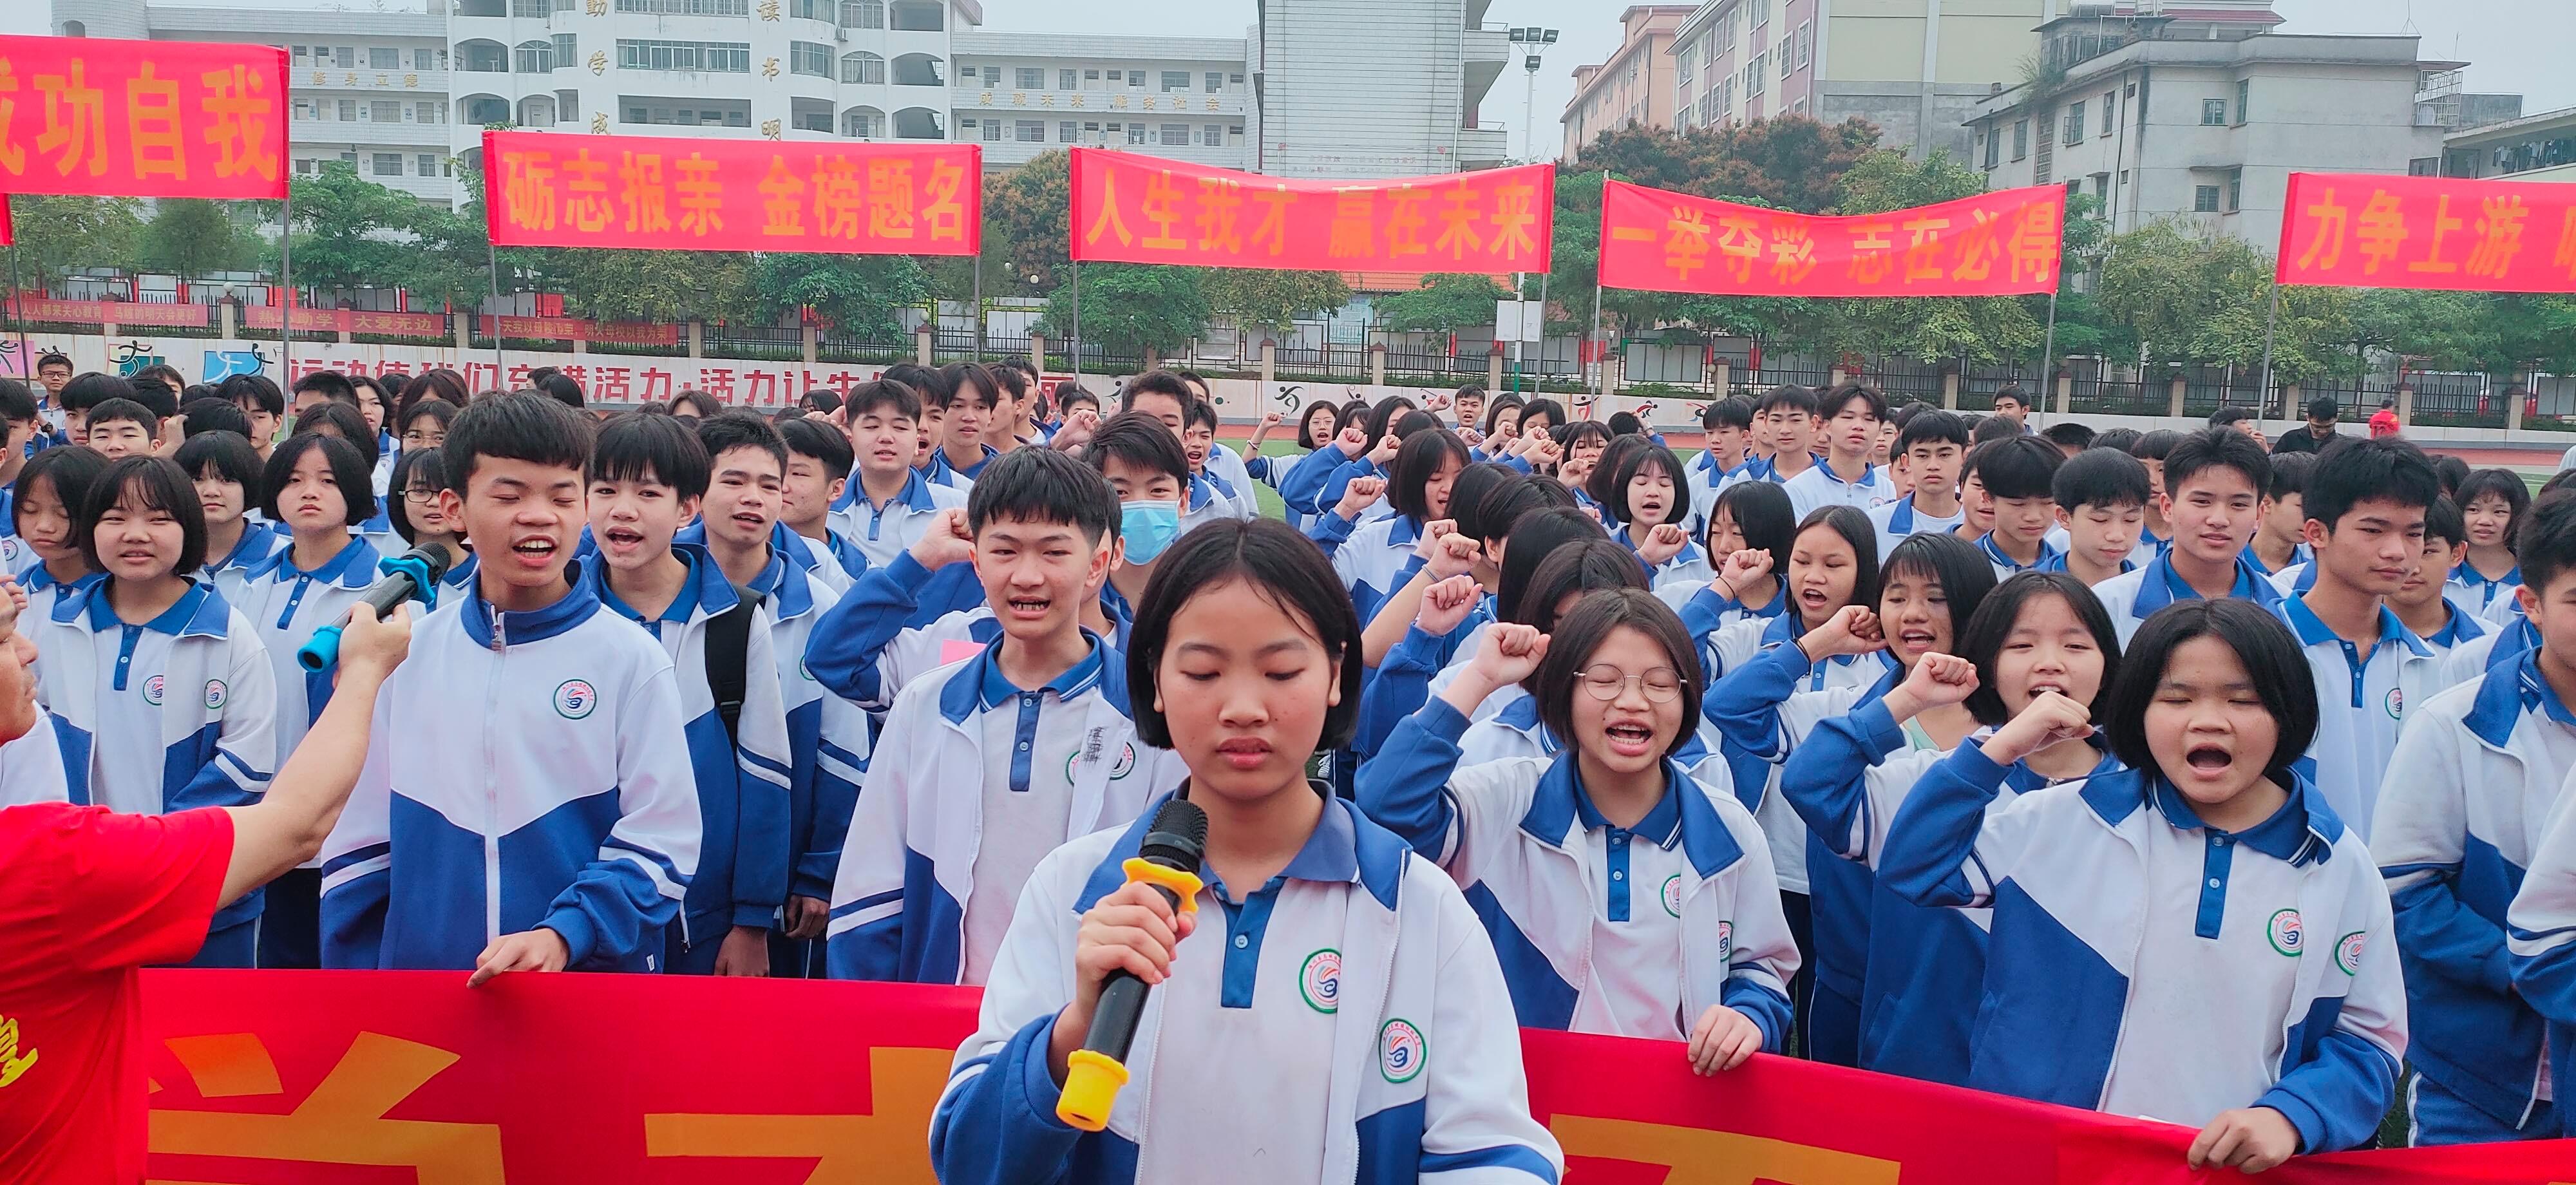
1625	423
159	484
1734	411
2545	547
516	427
1579	635
1138	441
2159	444
1554	411
2505	484
1788	395
115	410
2442	520
1992	626
820	399
71	470
1593	430
1835	399
2226	417
2018	466
658	449
1856	530
2217	448
215	415
1964	573
1417	460
349	472
1638	461
440	383
2099	477
156	396
2121	439
2453	471
229	457
53	358
1468	491
18	402
1586	565
257	392
329	384
1154	382
1200	414
1306	438
1496	406
2369	473
2069	436
565	389
2290	475
1504	506
422	466
1414	423
957	378
740	429
1931	426
1992	428
88	390
1765	517
1042	485
435	409
882	397
923	380
1615	451
1285	567
808	437
2274	665
2324	407
1538	537
2011	391
705	404
343	417
1068	393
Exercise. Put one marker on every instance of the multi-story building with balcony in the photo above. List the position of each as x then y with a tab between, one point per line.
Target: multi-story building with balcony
1633	86
1020	94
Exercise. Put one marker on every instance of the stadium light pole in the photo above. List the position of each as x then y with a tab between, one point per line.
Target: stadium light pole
1536	40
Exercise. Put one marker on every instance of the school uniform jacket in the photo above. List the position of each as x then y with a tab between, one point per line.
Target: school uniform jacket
907	869
1509	832
743	780
211	700
525	770
2541	935
1303	487
2133	597
2060	867
1369	556
1426	1081
233	573
882	534
1731	647
872	643
286	605
31	768
2469	786
2494	600
1688	568
2474	657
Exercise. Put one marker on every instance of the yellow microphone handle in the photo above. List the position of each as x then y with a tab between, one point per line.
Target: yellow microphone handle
1091	1083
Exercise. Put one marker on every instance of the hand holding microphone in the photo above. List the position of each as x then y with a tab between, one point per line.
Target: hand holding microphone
413	575
1125	947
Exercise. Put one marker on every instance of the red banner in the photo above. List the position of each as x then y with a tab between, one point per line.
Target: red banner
1145	209
624	333
8	229
2360	230
83	115
1996	244
291	1077
119	313
673	194
422	325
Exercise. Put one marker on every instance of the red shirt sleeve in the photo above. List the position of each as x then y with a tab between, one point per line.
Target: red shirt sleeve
129	890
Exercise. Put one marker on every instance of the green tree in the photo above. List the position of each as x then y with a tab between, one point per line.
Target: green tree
1028	224
2196	298
350	232
1790	163
59	235
623	285
194	237
1443	303
1133	308
858	294
1273	300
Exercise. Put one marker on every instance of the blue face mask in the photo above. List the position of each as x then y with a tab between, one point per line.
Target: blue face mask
1149	527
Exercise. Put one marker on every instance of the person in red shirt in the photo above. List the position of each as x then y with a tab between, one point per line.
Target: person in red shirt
88	896
2384	421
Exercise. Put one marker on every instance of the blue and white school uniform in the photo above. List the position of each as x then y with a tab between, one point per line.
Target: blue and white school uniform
2293	579
872	642
31	768
743	779
525	770
2540	936
176	713
1689	567
1821	486
946	472
2134	597
2473	658
2459	626
2143	963
1754	468
2005	566
286	604
2481	767
1423	1080
1301	488
831	562
1208	501
1232	476
2362	701
1706	609
1703	476
1586	943
884	532
1732	647
1369	556
973	782
1514	732
2300	554
44	593
387	454
2494	599
232	573
2141	554
1898	521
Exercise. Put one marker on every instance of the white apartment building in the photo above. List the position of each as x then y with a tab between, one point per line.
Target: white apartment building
2210	131
1020	94
1376	88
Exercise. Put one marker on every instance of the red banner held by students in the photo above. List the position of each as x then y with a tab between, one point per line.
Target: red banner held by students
673	194
8	229
296	1076
2362	230
1145	209
84	115
1996	244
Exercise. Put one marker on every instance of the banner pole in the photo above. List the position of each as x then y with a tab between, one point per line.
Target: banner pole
1543	278
979	310
2048	354
1074	270
1520	295
499	373
26	360
286	290
2271	320
1601	350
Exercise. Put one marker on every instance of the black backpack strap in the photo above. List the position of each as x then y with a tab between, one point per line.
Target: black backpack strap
729	657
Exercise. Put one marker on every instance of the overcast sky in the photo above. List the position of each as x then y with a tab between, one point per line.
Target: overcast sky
2512	45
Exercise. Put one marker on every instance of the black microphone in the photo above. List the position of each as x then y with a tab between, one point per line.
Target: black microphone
413	574
1168	860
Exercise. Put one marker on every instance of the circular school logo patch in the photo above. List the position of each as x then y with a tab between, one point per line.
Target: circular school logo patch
574	699
1126	763
1673	895
216	693
9	548
2348	953
1401	1051
2285	932
1320	980
1725	940
152	689
2396	704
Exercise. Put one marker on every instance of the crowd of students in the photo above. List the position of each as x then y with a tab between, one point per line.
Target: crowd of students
2031	762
